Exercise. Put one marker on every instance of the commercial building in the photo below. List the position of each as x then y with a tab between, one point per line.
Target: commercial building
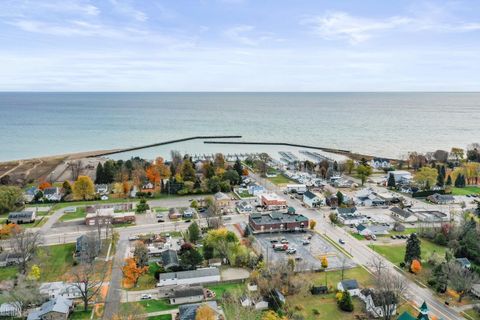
108	216
204	275
277	221
272	201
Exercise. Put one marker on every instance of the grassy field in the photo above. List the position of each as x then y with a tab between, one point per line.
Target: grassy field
60	260
322	307
152	305
219	289
147	281
80	315
161	317
79	214
472	314
396	253
280	180
465	191
8	273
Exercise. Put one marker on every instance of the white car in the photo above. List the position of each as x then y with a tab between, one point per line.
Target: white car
133	238
146	296
291	251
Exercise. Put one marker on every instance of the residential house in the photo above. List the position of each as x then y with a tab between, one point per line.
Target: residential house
30	194
55	309
380	163
221	199
169	259
174	214
277	221
400	176
11	309
187	295
402	215
9	259
52	194
255	303
312	200
255	190
463	262
87	246
379	305
244	207
204	275
189	311
350	216
20	217
423	314
101	189
350	285
441	198
272	201
429	215
56	289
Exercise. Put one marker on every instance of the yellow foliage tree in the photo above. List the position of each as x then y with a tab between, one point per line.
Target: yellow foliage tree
83	188
132	272
34	273
324	262
204	312
313	224
272	315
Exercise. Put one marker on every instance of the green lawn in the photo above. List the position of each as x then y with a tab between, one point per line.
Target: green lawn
160	209
79	214
8	273
406	231
396	252
244	194
80	315
221	288
59	259
153	305
280	179
472	314
161	317
322	307
465	191
147	281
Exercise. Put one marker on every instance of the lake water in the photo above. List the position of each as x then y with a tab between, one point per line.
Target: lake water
385	124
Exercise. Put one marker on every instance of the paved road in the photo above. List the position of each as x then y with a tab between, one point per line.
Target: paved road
363	255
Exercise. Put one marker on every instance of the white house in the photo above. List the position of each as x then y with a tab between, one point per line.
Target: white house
255	190
59	288
12	309
257	304
379	305
244	207
380	163
187	295
350	216
52	194
400	175
349	285
204	275
312	200
296	188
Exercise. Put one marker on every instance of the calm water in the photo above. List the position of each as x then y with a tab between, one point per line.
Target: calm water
388	124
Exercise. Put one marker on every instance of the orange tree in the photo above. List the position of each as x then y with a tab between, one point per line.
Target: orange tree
132	272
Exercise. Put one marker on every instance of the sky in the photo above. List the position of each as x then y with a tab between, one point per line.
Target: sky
239	45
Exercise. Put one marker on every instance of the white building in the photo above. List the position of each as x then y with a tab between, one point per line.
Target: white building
204	275
403	215
349	285
59	288
400	176
379	305
312	200
296	188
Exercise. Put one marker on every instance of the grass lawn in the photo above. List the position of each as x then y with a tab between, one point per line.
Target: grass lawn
60	260
244	194
8	273
160	209
464	191
161	317
79	214
220	288
322	307
152	305
80	315
280	180
396	253
406	231
472	314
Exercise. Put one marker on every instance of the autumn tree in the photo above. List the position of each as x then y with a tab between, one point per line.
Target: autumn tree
205	312
313	224
34	273
461	279
349	165
24	244
11	199
415	266
83	188
426	177
221	240
132	272
88	279
140	253
188	170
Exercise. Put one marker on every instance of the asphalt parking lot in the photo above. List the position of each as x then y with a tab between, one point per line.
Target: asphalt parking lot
309	255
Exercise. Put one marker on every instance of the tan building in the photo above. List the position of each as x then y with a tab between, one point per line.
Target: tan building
108	216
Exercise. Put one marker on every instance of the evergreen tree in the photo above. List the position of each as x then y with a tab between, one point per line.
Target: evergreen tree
391	181
345	302
340	198
188	171
443	171
67	187
99	177
449	180
413	249
238	167
193	232
440	180
142	206
109	172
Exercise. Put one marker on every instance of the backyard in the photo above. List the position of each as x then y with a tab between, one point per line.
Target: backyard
466	190
280	180
147	280
79	213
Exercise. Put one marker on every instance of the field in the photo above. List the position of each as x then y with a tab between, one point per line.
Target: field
152	305
59	259
280	180
219	289
78	214
472	314
161	317
466	190
396	253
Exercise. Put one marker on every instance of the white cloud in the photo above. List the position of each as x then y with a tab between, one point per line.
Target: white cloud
355	29
127	8
247	35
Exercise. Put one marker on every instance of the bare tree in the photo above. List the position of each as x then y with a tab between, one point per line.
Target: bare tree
88	278
461	279
24	294
389	287
214	216
75	168
24	244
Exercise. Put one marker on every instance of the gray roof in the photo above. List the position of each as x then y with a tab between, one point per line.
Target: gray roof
59	304
20	214
187	292
349	284
346	210
189	311
310	195
169	257
463	261
52	190
276	217
403	213
205	272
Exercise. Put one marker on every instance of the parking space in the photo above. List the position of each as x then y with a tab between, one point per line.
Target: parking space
307	256
378	215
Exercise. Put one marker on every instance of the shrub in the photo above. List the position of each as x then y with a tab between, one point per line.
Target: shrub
315	311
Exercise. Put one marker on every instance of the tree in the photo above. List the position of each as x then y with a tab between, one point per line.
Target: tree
345	302
219	161
461	279
205	312
415	266
193	232
232	176
34	273
153	175
132	272
83	188
391	181
349	165
24	245
221	240
238	167
312	224
324	263
333	218
194	204
413	249
99	176
426	177
142	206
88	279
363	172
44	185
449	180
67	187
189	257
188	171
11	199
272	315
340	198
24	294
140	254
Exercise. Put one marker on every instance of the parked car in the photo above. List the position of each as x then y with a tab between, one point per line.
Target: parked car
146	296
291	251
341	241
159	216
133	238
306	242
284	241
274	241
160	220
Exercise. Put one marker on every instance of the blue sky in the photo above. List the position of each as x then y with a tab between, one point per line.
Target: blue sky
239	45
